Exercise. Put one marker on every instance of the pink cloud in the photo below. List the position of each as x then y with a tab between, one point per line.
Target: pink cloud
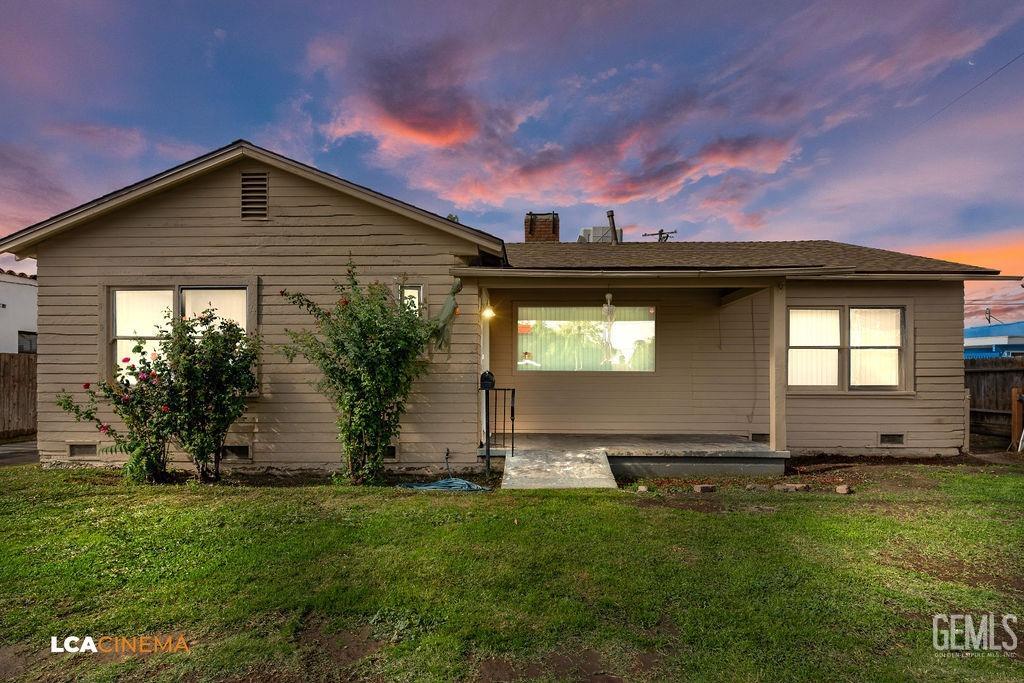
108	140
31	188
60	53
121	142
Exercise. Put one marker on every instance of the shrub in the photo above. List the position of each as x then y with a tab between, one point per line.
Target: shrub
141	398
369	349
188	393
211	361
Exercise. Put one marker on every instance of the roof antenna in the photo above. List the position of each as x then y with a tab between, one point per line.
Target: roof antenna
611	224
989	317
663	235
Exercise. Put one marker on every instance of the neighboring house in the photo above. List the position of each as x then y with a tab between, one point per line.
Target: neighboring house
1003	340
17	312
815	346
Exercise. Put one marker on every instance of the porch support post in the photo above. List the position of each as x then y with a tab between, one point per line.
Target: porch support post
485	360
777	372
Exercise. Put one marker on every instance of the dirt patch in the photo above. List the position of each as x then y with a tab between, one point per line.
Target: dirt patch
342	648
955	570
647	662
13	662
702	504
586	665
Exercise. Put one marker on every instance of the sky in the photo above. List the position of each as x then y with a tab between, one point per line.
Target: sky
721	121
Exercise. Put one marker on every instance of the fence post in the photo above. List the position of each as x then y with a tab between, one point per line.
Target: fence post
1016	417
967	421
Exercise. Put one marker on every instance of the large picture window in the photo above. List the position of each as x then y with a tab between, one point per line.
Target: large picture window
139	313
846	347
585	339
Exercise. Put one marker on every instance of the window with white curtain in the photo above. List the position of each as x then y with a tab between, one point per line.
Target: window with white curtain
228	303
585	339
137	314
846	347
814	342
876	343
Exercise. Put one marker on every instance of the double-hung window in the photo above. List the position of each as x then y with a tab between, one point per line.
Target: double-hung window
137	314
847	347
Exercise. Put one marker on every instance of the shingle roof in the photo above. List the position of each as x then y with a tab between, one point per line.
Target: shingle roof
725	256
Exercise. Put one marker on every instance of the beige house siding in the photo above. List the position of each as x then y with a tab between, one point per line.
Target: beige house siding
705	359
195	231
931	415
712	371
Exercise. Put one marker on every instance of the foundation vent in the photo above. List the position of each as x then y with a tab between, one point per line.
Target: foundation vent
255	194
236	452
82	450
891	439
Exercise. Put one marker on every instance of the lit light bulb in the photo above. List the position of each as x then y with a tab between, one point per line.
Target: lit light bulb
487	313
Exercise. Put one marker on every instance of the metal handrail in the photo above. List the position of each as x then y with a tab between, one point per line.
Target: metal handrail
508	421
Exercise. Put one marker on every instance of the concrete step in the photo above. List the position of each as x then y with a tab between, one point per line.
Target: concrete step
546	469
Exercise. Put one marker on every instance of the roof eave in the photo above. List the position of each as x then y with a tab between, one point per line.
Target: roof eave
471	271
804	273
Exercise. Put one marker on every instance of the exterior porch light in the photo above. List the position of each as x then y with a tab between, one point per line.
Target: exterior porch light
487	313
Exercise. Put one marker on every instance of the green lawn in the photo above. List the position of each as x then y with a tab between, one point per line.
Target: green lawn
322	582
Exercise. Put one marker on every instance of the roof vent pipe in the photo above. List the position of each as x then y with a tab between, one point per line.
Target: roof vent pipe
611	224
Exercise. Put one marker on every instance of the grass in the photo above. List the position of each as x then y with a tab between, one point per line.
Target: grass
320	582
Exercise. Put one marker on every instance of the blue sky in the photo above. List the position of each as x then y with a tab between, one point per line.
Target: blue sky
784	120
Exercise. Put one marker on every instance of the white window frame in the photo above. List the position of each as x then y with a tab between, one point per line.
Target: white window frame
421	296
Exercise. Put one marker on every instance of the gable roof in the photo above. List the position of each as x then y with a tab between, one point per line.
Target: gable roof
23	240
686	256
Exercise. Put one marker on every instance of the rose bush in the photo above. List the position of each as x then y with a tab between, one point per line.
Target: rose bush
189	394
137	397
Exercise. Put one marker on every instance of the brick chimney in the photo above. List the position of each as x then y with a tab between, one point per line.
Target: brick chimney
540	227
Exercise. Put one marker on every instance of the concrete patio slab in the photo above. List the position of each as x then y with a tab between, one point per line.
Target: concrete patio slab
558	469
667	455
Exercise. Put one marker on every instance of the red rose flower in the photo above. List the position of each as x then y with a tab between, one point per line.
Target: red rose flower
86	386
165	408
125	359
104	428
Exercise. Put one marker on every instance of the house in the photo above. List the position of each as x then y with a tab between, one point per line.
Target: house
1003	340
811	346
17	312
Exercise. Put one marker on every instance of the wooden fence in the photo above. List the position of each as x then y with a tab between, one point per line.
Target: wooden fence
991	381
17	394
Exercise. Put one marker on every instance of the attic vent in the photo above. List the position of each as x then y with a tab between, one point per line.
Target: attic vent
890	439
255	194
